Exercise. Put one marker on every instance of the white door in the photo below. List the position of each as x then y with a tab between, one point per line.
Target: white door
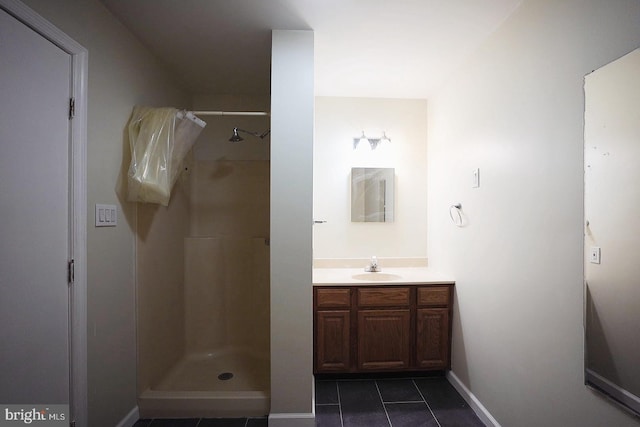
35	79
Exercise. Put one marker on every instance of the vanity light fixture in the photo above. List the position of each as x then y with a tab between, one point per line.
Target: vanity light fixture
373	142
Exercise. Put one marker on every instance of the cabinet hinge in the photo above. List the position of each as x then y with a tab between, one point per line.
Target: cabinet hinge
72	108
70	272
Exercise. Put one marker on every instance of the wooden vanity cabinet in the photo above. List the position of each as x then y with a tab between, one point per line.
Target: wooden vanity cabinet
382	328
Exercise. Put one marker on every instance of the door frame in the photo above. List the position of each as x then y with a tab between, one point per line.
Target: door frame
77	203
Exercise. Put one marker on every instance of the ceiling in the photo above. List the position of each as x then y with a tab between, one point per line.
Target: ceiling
363	48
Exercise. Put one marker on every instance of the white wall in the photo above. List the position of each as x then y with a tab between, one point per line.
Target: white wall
515	110
291	202
337	122
121	74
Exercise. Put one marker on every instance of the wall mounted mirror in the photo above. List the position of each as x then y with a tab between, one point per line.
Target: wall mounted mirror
612	230
372	194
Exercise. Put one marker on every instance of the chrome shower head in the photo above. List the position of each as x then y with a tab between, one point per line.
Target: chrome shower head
237	138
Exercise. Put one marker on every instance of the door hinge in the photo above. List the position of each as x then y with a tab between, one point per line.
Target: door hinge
72	108
72	424
70	272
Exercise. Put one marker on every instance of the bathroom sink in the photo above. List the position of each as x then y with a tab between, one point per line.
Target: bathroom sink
376	277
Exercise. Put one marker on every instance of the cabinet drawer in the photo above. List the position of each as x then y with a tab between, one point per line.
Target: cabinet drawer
383	297
433	296
334	297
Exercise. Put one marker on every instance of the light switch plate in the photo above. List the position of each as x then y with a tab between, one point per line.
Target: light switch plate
594	255
106	215
476	178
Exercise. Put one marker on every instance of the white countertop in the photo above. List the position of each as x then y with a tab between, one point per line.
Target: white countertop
407	275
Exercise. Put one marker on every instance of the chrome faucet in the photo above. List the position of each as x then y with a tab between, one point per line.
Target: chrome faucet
373	265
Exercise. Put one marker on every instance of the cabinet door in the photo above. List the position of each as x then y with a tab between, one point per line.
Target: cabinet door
383	339
332	341
432	338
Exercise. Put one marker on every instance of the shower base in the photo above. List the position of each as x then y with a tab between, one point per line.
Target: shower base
224	383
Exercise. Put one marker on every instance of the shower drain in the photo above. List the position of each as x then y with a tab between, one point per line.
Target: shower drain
225	376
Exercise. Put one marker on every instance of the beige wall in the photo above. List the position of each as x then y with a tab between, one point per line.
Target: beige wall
515	110
337	122
121	74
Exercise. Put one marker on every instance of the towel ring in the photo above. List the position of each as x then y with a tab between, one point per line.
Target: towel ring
457	217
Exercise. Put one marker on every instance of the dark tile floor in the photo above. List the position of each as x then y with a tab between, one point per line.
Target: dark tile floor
404	402
401	402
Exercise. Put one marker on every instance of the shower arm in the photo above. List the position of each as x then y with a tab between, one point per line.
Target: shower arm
256	134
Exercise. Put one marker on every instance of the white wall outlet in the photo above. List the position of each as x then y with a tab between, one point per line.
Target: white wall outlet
106	215
594	255
476	178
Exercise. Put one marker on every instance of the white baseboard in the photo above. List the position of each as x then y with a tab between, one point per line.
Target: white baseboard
619	395
130	419
292	420
482	412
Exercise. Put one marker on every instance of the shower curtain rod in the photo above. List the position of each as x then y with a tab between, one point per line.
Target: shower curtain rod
230	113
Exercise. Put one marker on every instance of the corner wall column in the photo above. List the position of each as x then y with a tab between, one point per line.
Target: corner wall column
292	104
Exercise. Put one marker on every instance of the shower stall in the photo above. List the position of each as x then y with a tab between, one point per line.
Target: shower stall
203	283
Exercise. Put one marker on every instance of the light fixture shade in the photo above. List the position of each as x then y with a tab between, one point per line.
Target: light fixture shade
360	141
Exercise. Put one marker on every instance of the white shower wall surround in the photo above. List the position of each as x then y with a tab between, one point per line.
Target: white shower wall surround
226	326
223	298
229	198
227	294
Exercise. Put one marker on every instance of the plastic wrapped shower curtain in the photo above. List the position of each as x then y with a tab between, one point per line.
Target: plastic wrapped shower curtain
160	138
